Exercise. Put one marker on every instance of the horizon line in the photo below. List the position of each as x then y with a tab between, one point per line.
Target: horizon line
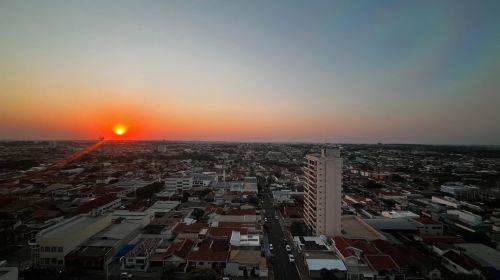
243	142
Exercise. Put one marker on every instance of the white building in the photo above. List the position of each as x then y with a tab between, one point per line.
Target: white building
457	188
250	185
244	240
52	244
142	218
178	183
399	214
161	207
467	217
280	196
323	191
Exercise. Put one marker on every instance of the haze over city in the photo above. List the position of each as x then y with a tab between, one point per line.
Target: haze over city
288	71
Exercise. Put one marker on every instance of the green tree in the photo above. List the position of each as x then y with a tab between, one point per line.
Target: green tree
297	229
202	274
197	214
169	271
253	200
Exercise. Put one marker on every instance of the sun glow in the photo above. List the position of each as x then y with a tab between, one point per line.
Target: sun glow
120	130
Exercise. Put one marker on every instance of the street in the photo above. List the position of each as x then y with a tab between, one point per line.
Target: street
283	268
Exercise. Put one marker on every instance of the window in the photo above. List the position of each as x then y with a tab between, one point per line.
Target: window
201	263
59	262
59	249
42	249
53	249
53	260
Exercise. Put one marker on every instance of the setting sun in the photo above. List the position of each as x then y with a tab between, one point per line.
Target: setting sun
119	130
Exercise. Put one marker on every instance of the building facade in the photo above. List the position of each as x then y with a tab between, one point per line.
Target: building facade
323	192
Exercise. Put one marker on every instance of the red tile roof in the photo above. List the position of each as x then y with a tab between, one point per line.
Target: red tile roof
448	239
381	262
293	212
192	228
402	259
218	232
343	246
211	250
346	246
180	249
426	221
462	261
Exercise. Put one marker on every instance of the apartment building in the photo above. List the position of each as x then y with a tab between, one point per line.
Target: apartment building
322	192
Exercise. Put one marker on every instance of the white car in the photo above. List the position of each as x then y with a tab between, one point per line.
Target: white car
126	275
271	247
291	258
265	220
288	248
225	278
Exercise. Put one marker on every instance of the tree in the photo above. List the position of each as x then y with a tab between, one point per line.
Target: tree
169	271
197	214
148	190
202	274
297	229
253	200
328	274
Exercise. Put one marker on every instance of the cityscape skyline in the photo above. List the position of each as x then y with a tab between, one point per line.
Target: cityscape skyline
338	72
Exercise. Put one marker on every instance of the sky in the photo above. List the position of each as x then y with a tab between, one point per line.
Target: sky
267	71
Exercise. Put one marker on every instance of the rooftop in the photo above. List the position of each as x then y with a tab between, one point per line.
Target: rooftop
353	227
68	227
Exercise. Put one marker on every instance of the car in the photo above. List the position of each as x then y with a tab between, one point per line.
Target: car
271	246
291	258
265	220
126	275
276	216
225	278
288	248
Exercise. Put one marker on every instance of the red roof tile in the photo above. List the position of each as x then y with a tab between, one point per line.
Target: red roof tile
462	261
293	212
448	239
381	262
192	228
180	249
426	221
400	257
211	250
343	246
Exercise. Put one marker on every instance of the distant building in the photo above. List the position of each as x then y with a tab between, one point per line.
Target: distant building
399	214
178	183
458	189
323	191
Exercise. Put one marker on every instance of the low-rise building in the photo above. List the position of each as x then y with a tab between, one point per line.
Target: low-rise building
51	245
427	226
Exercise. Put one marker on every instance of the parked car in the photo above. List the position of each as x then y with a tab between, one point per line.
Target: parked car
271	247
288	248
126	275
265	219
291	258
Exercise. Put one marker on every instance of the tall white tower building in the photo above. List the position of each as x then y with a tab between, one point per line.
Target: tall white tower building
323	192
